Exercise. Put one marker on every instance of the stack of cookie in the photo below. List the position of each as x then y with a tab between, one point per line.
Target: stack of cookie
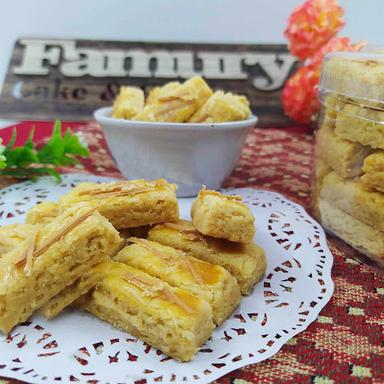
192	101
349	180
221	232
119	251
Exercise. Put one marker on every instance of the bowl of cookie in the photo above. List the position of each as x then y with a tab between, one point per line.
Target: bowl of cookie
184	132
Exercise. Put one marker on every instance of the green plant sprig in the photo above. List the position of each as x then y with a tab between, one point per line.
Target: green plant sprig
29	162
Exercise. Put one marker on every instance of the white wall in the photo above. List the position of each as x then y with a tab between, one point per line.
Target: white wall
255	21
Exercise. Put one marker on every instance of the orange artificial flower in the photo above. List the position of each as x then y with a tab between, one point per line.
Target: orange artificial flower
336	44
312	25
299	96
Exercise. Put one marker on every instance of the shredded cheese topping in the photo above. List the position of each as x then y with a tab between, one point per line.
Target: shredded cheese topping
191	268
122	188
27	254
235	198
190	233
63	231
156	288
30	253
183	257
183	95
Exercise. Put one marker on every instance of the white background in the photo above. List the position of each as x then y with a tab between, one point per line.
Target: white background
253	21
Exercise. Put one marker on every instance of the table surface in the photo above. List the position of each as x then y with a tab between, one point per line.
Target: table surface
346	342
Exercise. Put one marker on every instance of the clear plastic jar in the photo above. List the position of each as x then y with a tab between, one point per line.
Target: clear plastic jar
348	185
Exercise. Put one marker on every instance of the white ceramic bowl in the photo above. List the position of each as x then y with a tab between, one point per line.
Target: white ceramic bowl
188	154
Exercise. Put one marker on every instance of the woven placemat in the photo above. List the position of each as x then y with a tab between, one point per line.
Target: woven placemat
346	343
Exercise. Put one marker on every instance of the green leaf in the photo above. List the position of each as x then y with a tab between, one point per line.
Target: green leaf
53	151
73	146
60	150
20	156
29	143
13	139
3	160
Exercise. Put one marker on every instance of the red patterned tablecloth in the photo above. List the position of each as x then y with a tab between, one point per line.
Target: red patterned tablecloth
346	343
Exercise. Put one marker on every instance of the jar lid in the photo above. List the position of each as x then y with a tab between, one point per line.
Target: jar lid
355	75
372	48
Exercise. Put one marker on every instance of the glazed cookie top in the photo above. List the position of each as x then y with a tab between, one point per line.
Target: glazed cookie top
231	198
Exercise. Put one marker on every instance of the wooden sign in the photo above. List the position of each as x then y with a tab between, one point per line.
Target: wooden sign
69	79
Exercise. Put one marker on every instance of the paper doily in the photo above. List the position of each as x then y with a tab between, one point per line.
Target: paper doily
76	347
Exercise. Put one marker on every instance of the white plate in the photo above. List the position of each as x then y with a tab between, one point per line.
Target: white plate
296	287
